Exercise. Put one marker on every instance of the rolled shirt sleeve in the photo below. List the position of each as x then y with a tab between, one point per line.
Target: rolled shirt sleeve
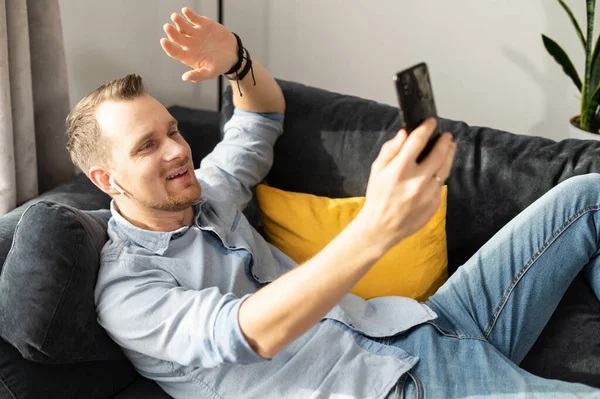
242	159
149	313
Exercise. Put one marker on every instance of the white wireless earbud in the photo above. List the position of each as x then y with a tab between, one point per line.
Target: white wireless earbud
115	185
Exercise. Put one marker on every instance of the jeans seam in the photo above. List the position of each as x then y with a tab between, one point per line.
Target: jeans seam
401	392
418	386
537	254
452	334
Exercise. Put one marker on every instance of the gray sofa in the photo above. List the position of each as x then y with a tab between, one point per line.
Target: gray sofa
328	145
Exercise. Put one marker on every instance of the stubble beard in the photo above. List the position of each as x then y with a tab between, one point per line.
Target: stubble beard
177	203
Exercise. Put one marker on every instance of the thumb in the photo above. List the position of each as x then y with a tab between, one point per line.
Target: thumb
389	150
197	75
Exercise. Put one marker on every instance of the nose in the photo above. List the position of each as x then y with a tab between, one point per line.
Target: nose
174	150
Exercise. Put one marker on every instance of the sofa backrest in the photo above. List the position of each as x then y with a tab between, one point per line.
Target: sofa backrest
331	139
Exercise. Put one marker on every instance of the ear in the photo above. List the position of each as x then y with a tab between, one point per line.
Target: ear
100	178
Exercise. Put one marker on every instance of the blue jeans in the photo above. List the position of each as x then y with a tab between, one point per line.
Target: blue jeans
494	307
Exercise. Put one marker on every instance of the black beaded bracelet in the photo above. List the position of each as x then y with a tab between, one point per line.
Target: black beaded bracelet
239	75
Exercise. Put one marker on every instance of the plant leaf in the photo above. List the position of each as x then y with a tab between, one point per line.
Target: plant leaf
574	21
590	109
595	79
586	91
563	60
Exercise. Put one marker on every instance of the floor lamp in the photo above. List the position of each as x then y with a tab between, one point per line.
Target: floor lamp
220	82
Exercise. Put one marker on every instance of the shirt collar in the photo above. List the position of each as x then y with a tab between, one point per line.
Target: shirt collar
154	241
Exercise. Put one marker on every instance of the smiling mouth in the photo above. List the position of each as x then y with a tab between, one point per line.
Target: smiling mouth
178	175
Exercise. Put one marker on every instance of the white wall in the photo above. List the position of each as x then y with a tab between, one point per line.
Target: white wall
111	38
487	61
486	58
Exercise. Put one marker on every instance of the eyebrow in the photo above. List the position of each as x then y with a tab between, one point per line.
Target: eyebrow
138	142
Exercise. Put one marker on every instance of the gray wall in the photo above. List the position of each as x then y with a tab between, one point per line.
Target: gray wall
487	61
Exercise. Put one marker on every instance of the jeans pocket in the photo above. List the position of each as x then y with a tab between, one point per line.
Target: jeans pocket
447	332
443	329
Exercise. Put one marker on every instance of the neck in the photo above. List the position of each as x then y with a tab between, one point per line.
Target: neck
156	220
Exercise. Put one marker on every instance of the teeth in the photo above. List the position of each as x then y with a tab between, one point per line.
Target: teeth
178	174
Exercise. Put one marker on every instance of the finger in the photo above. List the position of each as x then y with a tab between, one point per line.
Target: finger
193	17
175	36
446	168
182	24
435	159
389	150
414	144
418	138
434	192
197	75
172	50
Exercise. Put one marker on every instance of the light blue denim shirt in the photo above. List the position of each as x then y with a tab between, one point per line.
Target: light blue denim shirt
171	299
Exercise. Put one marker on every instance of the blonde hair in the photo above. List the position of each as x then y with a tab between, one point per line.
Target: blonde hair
85	144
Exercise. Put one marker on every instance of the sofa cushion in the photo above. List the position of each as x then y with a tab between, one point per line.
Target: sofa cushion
301	225
22	378
47	308
78	192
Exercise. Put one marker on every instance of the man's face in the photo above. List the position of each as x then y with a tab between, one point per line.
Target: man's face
147	151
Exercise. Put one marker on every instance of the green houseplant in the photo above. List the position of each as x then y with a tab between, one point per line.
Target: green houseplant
588	118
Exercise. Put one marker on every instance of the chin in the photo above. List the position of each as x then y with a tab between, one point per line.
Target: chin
176	203
184	200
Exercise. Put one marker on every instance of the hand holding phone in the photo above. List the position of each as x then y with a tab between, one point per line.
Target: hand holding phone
415	101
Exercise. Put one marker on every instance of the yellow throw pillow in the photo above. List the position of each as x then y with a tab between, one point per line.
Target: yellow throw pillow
301	225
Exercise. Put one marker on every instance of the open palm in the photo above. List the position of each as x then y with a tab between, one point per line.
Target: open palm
200	43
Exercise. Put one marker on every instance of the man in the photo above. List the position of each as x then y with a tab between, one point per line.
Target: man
203	305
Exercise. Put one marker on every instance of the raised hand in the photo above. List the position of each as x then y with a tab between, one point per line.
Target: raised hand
200	43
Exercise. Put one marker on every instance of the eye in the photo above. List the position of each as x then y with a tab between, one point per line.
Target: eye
174	133
147	146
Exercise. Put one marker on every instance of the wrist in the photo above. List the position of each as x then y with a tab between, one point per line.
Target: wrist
239	54
232	73
242	66
373	237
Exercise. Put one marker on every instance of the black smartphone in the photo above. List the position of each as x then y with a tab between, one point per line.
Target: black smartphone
415	100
